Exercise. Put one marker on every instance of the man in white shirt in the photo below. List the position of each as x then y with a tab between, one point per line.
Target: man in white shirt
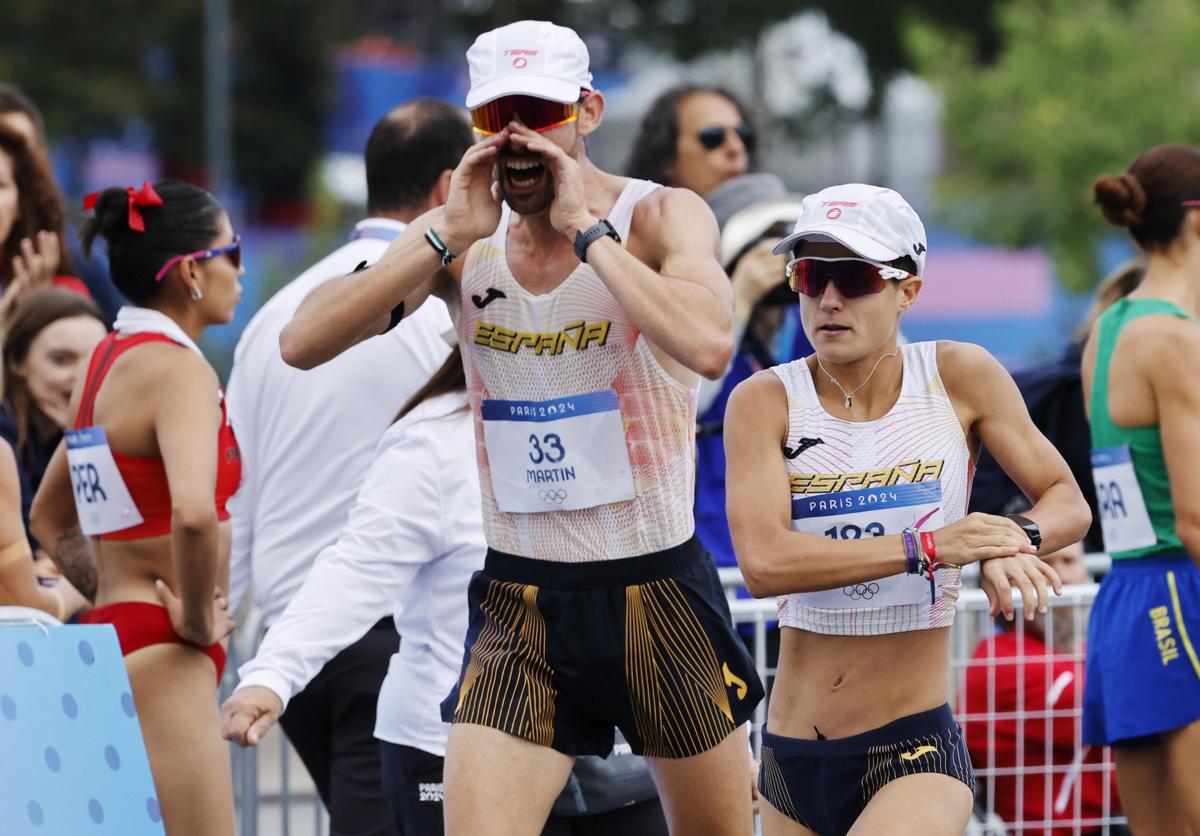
307	440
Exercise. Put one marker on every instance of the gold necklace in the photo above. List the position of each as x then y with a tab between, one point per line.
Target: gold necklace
850	395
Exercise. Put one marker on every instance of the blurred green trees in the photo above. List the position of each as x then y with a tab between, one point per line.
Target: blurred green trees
689	28
1077	89
109	66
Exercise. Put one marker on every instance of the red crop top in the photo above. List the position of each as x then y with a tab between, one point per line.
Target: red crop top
145	476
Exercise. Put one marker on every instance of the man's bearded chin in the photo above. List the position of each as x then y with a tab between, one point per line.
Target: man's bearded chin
526	183
529	203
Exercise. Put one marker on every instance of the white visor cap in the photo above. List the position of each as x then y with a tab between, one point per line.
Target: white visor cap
528	58
876	223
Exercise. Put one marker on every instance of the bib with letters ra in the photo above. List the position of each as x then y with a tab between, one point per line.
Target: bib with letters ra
1124	520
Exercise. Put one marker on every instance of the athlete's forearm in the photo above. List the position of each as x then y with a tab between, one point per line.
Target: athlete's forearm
1062	515
789	561
71	551
345	311
194	556
693	325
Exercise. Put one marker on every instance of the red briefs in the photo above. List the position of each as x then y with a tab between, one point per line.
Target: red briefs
139	624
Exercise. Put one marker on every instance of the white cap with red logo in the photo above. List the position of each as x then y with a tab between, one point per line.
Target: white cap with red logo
875	222
528	58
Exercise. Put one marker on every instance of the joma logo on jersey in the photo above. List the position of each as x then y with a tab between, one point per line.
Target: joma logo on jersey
578	335
913	470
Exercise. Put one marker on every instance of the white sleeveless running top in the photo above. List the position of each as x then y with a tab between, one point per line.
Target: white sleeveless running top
585	443
910	468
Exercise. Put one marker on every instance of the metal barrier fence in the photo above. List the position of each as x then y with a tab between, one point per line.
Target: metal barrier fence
273	794
1025	744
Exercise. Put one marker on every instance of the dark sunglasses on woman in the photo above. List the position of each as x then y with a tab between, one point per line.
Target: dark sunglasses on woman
853	277
233	250
713	136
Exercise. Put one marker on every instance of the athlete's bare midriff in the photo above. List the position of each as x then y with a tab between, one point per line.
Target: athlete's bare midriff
845	685
127	569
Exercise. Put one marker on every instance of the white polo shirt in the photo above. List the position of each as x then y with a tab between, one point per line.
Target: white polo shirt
308	437
410	546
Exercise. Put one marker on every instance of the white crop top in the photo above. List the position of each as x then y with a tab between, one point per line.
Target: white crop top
586	445
909	468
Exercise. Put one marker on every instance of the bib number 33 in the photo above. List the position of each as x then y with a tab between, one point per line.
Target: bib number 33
553	451
562	454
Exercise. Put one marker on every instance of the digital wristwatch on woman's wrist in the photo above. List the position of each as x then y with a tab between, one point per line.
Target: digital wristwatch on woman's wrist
1031	529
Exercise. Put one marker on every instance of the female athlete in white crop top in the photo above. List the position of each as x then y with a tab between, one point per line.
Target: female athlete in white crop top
847	470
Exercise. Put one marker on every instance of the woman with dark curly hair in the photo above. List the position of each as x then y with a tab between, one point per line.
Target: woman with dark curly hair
32	219
693	137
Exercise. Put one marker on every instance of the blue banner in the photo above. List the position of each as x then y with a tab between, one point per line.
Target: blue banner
551	410
85	437
850	502
1109	456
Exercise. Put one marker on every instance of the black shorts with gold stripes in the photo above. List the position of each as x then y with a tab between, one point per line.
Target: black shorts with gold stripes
826	784
561	653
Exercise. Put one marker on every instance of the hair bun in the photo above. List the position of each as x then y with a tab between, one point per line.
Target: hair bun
112	212
1122	199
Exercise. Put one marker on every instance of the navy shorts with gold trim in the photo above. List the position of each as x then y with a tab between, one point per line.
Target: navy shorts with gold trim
561	653
826	784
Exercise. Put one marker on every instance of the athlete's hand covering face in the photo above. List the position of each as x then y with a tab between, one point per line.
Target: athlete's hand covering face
568	211
472	208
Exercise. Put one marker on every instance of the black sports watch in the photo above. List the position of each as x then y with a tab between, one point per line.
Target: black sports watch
591	235
1029	527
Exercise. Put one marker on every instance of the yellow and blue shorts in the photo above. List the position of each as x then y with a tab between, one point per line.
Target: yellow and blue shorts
1143	652
561	653
826	784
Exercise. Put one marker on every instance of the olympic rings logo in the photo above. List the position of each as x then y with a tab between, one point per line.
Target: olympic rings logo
552	496
861	591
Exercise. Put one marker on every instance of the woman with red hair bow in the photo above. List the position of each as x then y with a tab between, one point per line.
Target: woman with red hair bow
138	521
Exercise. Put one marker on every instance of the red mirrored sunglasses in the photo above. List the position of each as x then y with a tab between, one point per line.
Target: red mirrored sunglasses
853	277
537	114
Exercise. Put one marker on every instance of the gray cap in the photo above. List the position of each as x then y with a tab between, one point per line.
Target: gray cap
747	207
732	196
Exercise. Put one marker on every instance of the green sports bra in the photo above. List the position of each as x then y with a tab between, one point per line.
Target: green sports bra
1145	443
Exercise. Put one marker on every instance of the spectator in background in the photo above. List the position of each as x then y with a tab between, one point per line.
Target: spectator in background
693	137
47	343
1053	393
1037	673
32	219
754	211
307	440
22	117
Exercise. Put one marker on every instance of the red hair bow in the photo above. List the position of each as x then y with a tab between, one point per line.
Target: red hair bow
145	196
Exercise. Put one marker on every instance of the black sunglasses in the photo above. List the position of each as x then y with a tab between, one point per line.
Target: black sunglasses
714	135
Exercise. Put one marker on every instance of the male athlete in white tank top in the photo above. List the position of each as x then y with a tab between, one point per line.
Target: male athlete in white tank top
849	473
589	305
